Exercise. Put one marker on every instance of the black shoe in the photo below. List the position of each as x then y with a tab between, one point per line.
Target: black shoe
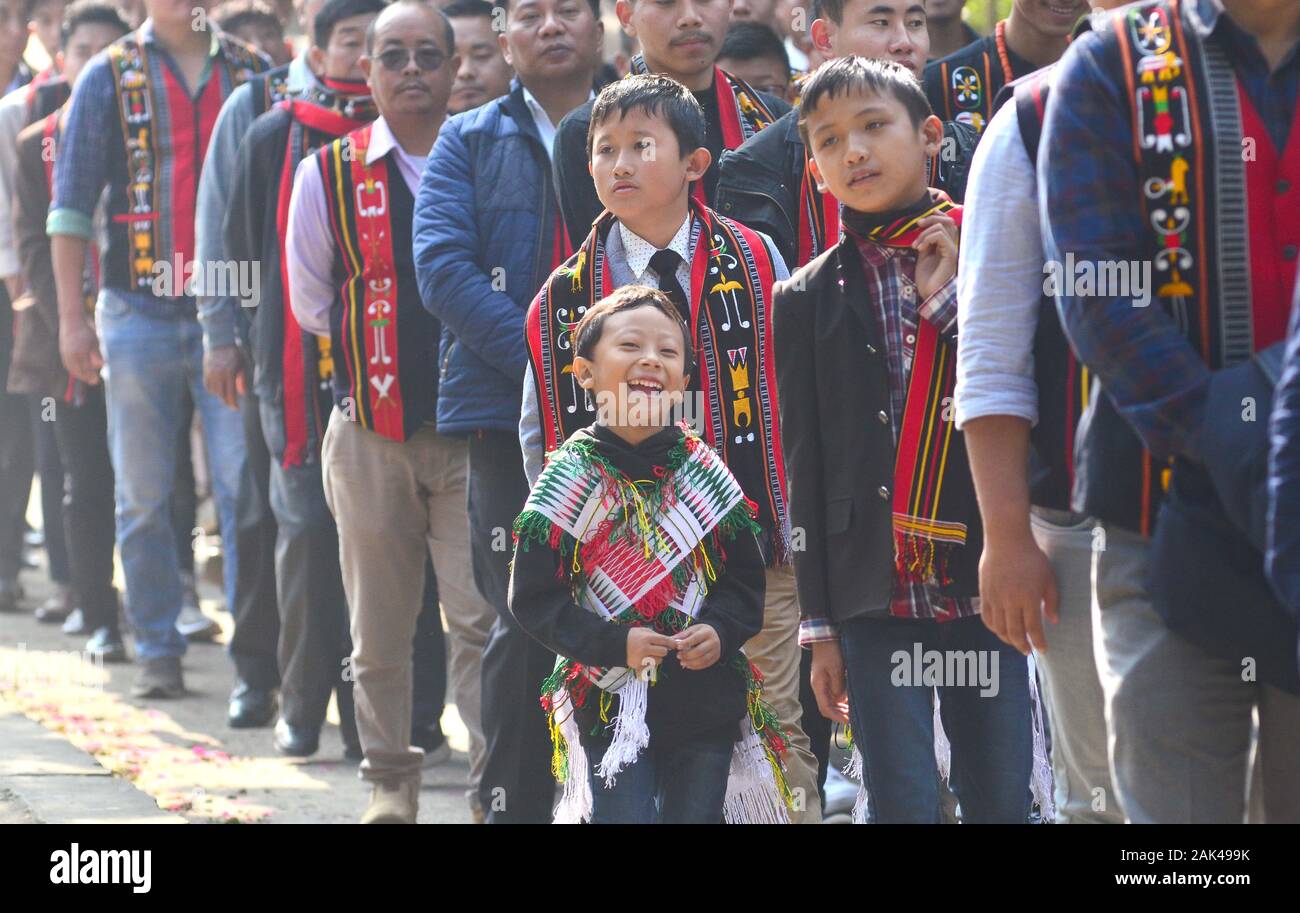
250	708
159	678
296	741
107	643
10	592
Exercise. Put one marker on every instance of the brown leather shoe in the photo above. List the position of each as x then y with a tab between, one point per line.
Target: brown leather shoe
393	803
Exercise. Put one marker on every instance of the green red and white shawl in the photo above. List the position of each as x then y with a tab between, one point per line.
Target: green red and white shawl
645	557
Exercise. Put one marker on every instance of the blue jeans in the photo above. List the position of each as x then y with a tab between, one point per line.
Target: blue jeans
685	784
988	723
150	361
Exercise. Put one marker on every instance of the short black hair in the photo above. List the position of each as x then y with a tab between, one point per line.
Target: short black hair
834	9
29	8
91	12
239	13
588	331
335	11
754	41
654	96
448	33
466	9
594	4
863	74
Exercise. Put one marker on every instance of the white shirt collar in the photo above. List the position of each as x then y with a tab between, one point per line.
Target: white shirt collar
538	112
382	141
639	251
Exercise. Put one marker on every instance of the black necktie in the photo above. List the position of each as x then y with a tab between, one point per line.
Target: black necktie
665	263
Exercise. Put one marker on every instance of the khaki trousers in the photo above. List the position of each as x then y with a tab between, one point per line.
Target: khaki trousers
391	501
775	651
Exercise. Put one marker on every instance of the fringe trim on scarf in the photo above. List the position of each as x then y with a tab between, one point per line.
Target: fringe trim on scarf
569	765
631	735
862	804
1041	782
754	794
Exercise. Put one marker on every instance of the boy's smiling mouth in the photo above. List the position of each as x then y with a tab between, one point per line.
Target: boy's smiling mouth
645	385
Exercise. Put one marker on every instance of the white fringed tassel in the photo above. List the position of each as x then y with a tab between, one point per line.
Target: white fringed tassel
753	796
942	748
1041	781
575	804
631	734
861	805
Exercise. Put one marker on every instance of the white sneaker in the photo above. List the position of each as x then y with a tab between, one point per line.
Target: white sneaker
195	626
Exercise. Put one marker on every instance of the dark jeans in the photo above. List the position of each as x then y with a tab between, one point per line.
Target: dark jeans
184	497
517	786
890	702
815	726
684	784
82	433
17	455
50	466
429	668
257	614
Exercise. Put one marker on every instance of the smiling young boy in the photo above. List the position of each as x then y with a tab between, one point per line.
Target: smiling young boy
636	562
878	478
646	145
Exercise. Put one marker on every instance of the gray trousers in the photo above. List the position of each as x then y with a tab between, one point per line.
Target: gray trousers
1185	727
1071	689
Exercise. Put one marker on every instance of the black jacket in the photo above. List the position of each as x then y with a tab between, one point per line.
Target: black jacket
833	386
682	704
758	184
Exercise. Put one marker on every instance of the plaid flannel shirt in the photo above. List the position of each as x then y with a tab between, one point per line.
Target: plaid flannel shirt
1090	207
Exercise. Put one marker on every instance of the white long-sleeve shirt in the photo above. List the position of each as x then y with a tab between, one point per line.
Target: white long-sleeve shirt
999	278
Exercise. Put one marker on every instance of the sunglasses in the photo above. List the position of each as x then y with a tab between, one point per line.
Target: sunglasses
427	59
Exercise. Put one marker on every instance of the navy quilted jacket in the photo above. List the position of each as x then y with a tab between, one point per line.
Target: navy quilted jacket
485	221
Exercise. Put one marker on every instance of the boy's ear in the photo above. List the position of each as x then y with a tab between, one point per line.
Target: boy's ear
316	60
817	175
623	10
582	371
820	32
932	130
697	163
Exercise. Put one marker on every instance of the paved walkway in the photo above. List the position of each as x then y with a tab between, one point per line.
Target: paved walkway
74	746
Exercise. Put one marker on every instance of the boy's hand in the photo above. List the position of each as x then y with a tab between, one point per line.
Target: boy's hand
828	681
1017	588
936	254
646	649
698	647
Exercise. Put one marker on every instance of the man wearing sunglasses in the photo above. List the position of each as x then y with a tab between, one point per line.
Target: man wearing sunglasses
395	484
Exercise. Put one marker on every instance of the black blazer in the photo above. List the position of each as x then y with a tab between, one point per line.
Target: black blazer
836	433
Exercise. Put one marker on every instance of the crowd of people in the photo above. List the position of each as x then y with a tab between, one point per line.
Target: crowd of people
695	392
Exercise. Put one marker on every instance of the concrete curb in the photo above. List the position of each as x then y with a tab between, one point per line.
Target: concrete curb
44	779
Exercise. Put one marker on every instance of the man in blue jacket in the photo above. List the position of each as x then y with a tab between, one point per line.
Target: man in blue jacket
487	234
1283	558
